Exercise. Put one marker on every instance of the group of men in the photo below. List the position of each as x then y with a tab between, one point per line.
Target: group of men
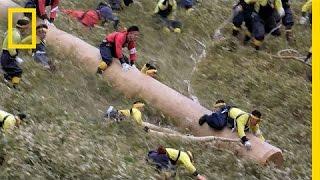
262	17
223	115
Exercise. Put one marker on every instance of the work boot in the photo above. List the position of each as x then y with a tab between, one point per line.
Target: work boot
256	43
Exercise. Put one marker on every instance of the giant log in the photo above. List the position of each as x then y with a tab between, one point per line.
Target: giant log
183	110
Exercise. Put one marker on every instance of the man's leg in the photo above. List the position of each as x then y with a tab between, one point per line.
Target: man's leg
106	55
237	22
288	22
270	25
258	31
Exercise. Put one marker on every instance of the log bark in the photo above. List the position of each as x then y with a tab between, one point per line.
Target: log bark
135	84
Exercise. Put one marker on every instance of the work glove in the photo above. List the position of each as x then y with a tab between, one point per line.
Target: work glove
125	67
247	145
19	60
200	177
281	12
109	110
303	20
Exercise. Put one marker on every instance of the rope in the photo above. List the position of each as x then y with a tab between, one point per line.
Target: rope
166	132
294	54
193	138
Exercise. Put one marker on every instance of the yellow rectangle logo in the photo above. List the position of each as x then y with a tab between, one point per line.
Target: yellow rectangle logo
11	45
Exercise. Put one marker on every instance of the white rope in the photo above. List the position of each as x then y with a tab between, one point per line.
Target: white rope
297	55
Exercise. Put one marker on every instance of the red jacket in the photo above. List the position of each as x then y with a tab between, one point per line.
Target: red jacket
88	18
119	39
41	4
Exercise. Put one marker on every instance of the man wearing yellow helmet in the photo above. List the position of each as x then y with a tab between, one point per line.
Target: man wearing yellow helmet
246	122
166	158
134	112
9	121
236	119
40	53
149	69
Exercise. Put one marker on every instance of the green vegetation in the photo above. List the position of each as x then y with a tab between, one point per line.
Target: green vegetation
66	136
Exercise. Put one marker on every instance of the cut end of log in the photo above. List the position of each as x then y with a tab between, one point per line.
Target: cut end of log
276	158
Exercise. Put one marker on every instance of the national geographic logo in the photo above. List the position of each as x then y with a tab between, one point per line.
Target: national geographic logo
11	11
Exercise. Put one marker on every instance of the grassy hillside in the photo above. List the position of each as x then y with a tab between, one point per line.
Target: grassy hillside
66	136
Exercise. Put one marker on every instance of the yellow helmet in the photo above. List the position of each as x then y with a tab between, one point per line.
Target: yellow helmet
177	30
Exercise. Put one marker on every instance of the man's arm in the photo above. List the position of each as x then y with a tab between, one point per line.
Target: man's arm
16	39
279	8
42	9
137	116
119	41
257	132
241	122
54	9
133	52
185	161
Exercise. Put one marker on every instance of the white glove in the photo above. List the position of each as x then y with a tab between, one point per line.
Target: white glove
281	12
125	67
247	144
134	66
47	22
302	20
19	60
109	110
199	177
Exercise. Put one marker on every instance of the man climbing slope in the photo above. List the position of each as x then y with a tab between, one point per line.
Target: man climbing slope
9	121
9	57
168	158
112	45
135	113
236	119
91	18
